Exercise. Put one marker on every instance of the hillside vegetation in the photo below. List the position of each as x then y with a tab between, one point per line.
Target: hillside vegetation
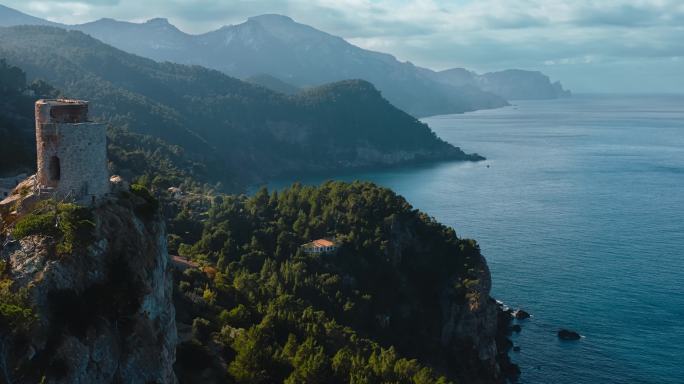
17	142
133	155
378	310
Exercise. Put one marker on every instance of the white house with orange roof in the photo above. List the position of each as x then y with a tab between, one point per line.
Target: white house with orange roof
320	246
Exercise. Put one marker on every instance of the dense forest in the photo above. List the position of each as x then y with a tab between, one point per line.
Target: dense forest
242	132
370	312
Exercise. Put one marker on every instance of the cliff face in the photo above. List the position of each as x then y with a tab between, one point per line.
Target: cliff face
511	84
472	328
476	332
515	84
104	311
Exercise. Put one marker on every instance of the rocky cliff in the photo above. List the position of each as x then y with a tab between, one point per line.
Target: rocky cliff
98	282
511	84
476	331
472	327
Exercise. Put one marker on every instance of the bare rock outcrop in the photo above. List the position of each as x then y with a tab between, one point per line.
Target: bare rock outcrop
104	311
474	330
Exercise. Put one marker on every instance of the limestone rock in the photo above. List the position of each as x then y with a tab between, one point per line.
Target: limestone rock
476	330
104	312
472	326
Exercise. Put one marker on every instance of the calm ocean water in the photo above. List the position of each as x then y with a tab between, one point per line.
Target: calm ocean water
581	217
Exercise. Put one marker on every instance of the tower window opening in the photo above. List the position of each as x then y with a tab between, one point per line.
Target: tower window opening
54	168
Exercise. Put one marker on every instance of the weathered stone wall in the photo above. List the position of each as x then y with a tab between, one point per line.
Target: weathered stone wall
72	152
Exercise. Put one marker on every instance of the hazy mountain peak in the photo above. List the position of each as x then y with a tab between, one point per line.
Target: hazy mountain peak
158	21
304	56
271	18
10	17
457	70
286	29
106	20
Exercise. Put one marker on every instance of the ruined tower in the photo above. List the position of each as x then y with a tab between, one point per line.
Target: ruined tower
72	151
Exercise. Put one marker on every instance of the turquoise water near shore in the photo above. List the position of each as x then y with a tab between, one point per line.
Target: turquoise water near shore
581	217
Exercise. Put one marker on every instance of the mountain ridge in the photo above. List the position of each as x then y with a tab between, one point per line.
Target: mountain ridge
10	16
513	84
245	131
295	53
298	54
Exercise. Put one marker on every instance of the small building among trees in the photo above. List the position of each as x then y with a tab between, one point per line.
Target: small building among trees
320	246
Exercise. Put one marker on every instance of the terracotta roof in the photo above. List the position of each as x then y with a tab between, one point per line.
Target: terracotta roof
183	262
320	243
323	243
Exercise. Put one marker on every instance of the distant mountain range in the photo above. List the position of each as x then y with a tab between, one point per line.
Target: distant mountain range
297	55
10	17
241	131
512	84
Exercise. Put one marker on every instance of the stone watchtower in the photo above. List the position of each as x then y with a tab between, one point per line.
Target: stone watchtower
72	151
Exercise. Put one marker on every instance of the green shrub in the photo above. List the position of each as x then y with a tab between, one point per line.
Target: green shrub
201	329
76	226
237	317
15	313
15	316
151	205
34	224
71	224
142	191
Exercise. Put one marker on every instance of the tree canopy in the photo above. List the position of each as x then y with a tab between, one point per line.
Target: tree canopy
368	312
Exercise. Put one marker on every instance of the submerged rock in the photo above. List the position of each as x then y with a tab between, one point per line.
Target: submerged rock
521	314
565	334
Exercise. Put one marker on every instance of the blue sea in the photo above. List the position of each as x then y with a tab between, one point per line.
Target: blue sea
579	210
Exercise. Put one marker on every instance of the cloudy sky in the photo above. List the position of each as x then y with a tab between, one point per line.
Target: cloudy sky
590	45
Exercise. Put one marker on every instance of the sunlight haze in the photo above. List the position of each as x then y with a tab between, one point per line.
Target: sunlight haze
589	46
